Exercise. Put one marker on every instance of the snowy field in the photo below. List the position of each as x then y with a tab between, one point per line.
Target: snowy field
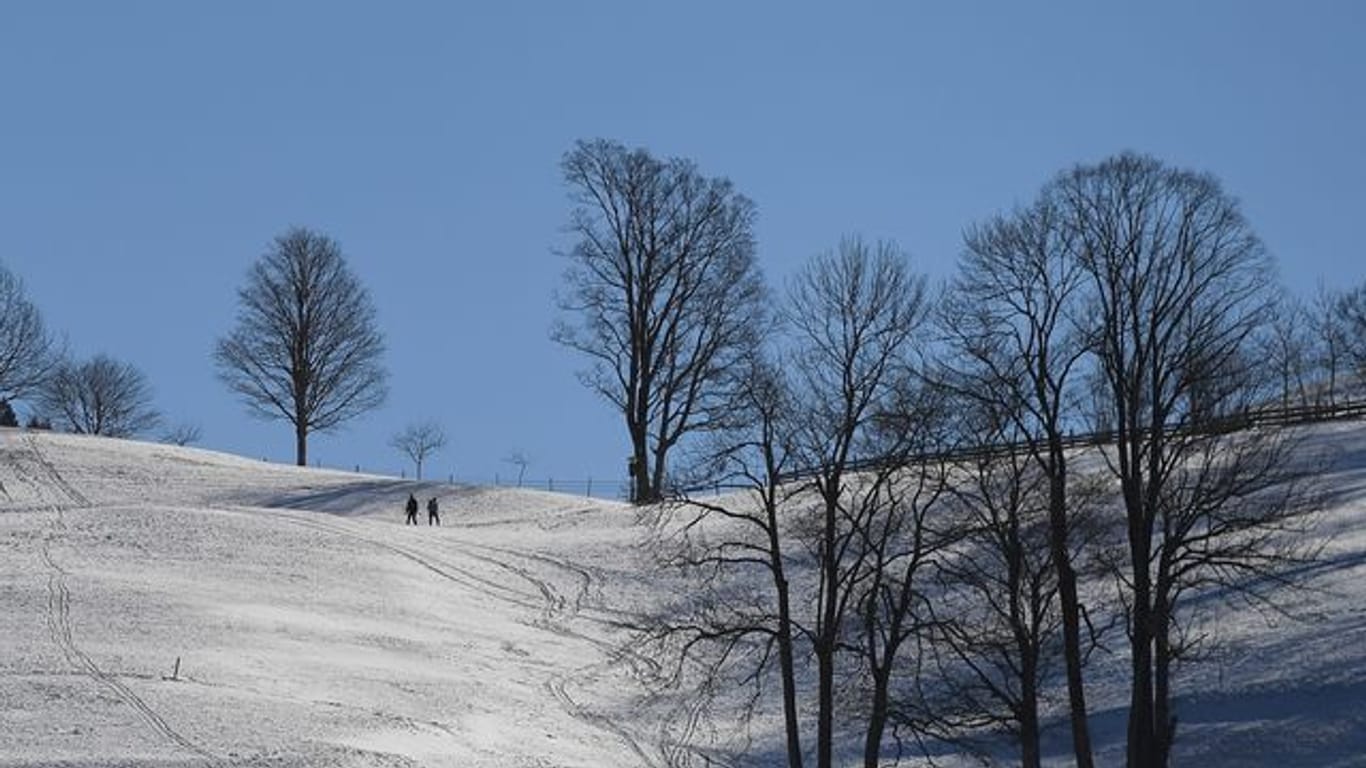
313	628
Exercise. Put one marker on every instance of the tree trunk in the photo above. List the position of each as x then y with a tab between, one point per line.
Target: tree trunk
787	661
825	716
1164	721
640	465
826	641
1070	605
877	718
786	656
1030	750
1140	754
301	445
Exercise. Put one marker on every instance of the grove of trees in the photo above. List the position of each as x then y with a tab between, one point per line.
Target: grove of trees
949	505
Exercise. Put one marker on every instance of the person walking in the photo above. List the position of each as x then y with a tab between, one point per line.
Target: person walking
432	517
412	510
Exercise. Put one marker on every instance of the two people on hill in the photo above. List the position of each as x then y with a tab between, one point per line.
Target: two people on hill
433	517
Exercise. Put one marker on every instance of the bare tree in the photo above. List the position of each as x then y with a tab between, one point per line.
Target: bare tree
666	293
1011	319
1180	287
183	434
418	441
306	348
834	518
100	396
1287	345
721	544
1351	320
27	351
521	461
1002	626
855	315
904	532
1330	347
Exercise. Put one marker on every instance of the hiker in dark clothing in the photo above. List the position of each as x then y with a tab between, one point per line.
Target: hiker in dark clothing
412	510
432	517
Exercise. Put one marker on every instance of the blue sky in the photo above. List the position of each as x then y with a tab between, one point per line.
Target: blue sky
150	151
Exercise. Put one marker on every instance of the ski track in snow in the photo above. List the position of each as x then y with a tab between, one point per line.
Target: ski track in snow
555	611
535	568
59	603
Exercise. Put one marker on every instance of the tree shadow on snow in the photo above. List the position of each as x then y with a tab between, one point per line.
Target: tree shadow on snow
365	497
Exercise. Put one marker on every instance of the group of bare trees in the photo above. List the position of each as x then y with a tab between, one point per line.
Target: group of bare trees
99	396
1317	348
306	349
921	550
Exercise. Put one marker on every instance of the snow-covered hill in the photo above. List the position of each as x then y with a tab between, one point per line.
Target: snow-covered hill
313	628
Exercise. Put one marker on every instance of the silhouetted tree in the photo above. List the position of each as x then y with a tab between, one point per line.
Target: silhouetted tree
100	396
834	520
307	346
665	292
1351	314
418	441
521	461
1002	626
854	316
1331	345
1011	320
1180	286
26	350
1287	345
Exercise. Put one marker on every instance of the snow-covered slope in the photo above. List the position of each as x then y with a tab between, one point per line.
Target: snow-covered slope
313	628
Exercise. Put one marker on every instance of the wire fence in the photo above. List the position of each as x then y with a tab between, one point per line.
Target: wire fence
1268	416
613	489
619	489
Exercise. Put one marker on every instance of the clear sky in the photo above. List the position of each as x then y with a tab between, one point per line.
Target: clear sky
149	152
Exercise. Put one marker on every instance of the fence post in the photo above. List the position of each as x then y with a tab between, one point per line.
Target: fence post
590	487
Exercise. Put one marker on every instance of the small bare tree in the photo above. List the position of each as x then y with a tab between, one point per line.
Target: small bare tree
666	292
26	350
418	441
1329	357
1002	626
183	434
521	461
1287	345
100	396
306	348
1351	313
